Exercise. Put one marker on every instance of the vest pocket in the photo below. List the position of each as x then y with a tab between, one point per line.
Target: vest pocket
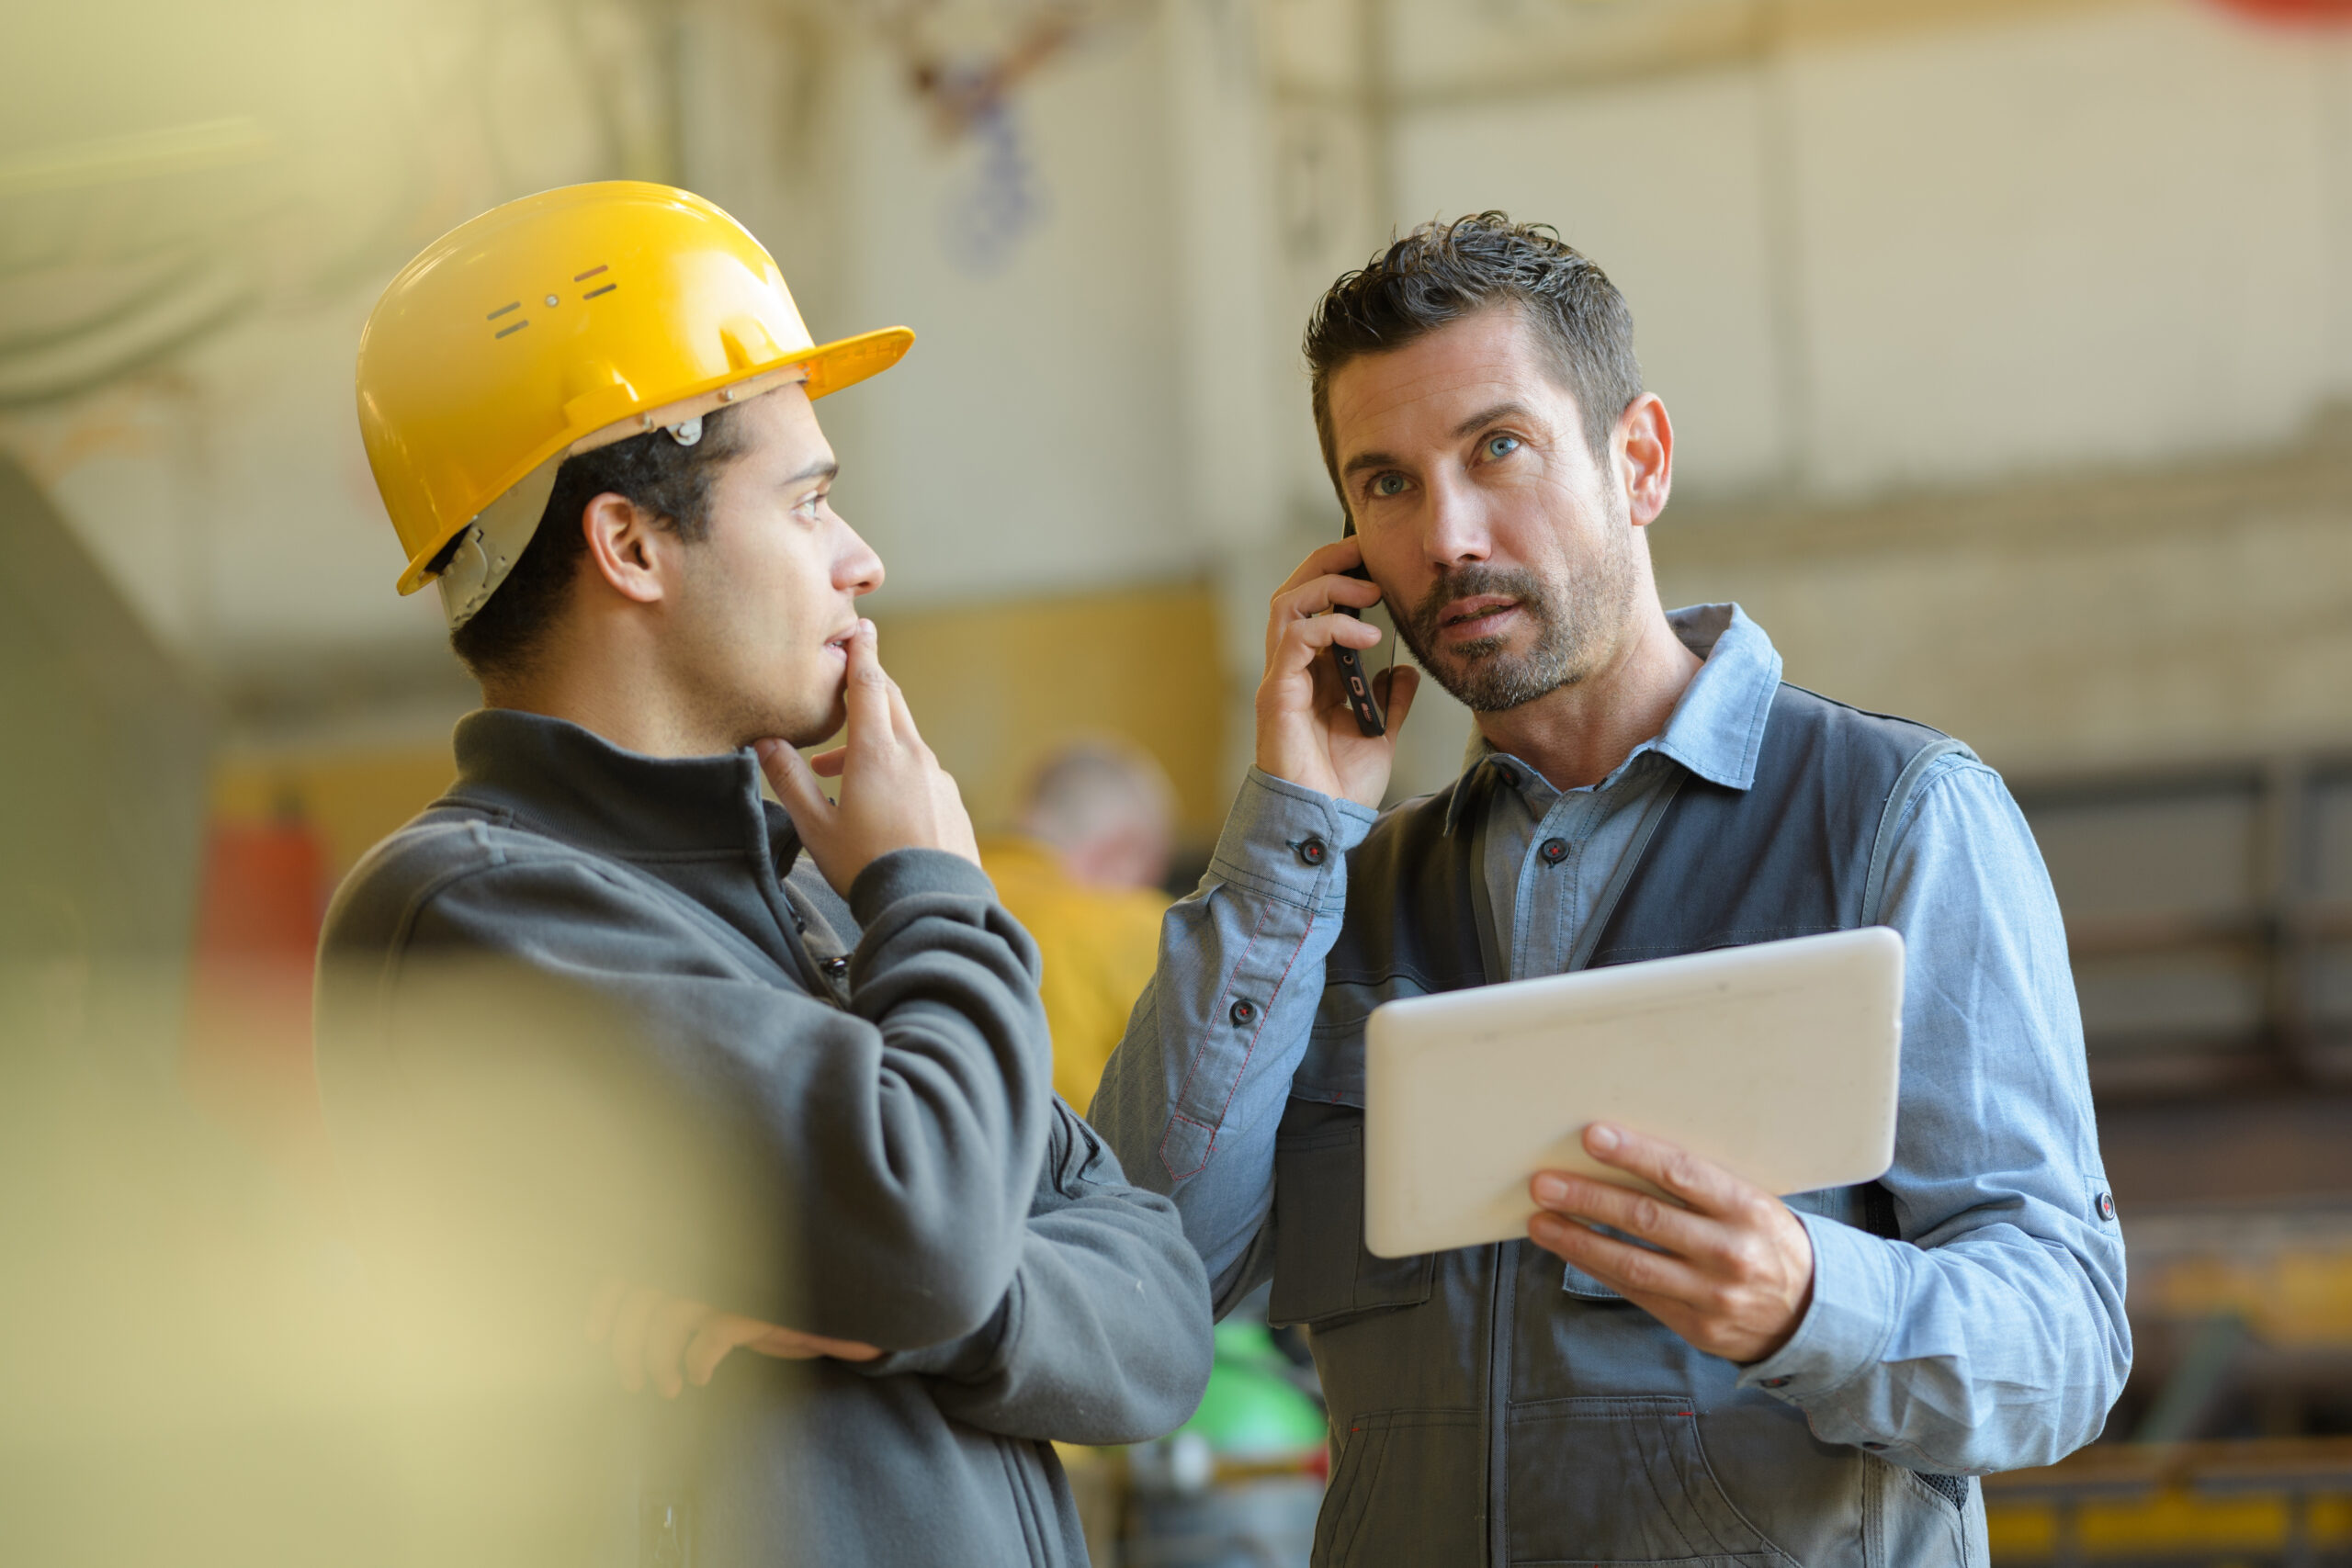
1404	1490
1322	1273
1623	1480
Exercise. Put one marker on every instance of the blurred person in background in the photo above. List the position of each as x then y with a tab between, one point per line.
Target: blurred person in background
778	1075
1084	878
1728	1377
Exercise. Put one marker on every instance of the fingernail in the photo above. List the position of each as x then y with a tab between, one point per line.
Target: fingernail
1600	1137
1551	1190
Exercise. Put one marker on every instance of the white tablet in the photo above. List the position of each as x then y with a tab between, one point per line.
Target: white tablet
1777	1061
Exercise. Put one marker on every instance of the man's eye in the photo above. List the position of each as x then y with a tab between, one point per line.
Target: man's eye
1389	484
1502	446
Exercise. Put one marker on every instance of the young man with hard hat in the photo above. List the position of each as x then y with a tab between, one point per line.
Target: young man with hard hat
819	1123
1729	1377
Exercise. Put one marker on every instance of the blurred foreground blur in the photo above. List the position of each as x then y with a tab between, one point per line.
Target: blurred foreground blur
2009	346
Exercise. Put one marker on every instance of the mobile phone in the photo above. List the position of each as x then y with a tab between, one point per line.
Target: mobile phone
1353	680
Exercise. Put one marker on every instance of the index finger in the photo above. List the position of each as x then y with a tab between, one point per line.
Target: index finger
721	1335
1705	1186
866	691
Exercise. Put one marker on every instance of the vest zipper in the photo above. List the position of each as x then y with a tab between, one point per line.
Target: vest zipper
1500	1322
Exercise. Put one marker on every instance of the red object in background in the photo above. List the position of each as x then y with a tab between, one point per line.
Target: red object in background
2293	12
248	1056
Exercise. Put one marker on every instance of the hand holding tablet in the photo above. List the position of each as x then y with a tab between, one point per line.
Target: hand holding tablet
1777	1062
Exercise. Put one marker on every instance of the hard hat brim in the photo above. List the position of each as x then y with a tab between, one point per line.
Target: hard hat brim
829	367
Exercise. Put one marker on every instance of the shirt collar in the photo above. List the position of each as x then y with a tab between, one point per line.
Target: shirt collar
1717	727
560	779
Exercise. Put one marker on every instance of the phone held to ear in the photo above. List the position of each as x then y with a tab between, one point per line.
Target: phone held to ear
1353	680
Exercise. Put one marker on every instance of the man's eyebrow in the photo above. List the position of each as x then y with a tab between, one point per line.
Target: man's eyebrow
1363	460
823	468
1490	416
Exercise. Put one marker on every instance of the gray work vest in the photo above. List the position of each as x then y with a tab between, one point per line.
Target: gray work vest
1493	1406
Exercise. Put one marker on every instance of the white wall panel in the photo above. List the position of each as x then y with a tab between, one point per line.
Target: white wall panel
2089	239
1663	185
1030	441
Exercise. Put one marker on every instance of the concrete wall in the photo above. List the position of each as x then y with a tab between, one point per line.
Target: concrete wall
1974	250
1956	323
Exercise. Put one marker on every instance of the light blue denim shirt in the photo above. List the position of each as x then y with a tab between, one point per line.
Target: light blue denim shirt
1993	1337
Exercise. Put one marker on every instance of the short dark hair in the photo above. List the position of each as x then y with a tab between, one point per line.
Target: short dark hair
1442	272
667	480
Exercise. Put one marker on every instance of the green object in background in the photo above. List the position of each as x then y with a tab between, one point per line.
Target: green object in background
1252	1410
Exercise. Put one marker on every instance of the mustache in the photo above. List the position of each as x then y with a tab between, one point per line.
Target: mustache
1466	582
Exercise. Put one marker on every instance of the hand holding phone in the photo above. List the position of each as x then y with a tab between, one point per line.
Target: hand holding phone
1320	718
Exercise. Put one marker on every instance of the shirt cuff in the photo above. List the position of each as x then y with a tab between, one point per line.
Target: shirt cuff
1289	842
1847	1323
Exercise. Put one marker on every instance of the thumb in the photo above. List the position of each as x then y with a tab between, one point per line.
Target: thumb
795	786
1399	685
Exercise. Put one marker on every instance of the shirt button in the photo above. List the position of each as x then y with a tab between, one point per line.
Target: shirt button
1874	1447
1554	851
836	967
1776	1382
2106	1205
1245	1011
1312	851
1508	776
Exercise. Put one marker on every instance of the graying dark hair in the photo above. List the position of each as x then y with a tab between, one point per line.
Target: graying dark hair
1442	272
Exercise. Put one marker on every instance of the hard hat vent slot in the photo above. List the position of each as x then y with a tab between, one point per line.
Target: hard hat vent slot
608	288
510	305
510	331
585	277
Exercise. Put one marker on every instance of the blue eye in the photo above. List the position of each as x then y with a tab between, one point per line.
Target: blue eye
1389	484
1502	446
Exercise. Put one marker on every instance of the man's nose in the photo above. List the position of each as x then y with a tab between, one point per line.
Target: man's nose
1455	532
857	571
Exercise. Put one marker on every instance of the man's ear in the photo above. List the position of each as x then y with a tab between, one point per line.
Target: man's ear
1645	456
629	548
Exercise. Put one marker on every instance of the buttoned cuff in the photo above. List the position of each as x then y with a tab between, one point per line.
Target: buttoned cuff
1847	1323
1289	842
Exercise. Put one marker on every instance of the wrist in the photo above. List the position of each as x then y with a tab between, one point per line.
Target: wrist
911	873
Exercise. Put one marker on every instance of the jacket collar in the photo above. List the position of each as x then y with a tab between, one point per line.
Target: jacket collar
1717	727
571	784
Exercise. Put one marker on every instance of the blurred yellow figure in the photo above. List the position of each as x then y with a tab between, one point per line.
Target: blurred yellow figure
1083	875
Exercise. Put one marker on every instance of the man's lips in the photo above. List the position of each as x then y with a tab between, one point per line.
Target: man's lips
1466	620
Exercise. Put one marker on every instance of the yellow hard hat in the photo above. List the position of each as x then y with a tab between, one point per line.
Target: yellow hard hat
553	326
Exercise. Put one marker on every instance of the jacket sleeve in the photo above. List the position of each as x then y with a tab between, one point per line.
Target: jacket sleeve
1992	1333
881	1158
1104	1337
1193	1095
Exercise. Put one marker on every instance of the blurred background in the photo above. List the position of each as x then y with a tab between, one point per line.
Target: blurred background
2010	349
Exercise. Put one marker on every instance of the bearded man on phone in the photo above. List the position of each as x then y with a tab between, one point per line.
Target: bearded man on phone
1732	1378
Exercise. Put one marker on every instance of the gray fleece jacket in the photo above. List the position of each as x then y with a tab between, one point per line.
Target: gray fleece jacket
588	1017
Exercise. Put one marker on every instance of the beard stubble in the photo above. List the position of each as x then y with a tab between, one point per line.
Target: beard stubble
1579	619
